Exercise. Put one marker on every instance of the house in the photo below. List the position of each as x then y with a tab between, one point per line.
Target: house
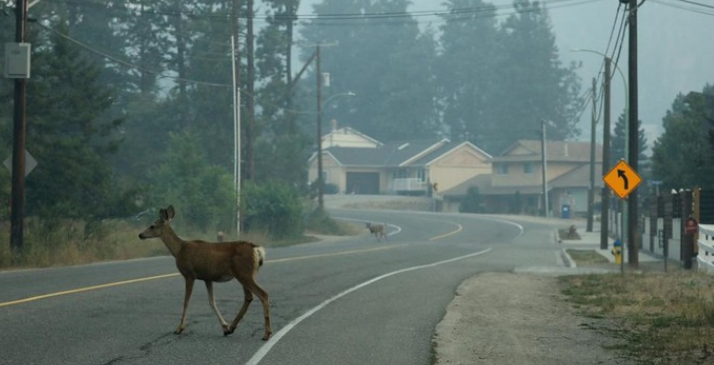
515	184
354	163
347	137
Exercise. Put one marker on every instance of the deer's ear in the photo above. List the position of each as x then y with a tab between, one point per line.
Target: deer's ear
163	215
170	212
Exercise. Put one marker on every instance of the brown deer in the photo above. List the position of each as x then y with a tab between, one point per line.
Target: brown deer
378	230
219	262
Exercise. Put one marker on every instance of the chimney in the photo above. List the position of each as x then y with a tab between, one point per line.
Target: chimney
333	122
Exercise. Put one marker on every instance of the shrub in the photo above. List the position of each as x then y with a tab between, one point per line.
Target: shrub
272	207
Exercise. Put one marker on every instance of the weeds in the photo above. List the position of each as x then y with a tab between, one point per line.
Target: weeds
665	317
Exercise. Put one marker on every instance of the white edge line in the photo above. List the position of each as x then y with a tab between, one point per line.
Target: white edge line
263	350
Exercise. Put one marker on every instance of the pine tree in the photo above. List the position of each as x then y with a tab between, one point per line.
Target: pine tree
68	133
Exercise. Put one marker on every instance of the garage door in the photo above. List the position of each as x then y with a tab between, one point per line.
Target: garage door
362	183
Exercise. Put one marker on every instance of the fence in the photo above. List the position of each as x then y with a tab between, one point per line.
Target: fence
705	258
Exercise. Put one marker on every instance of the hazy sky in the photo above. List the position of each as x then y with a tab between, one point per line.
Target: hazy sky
676	53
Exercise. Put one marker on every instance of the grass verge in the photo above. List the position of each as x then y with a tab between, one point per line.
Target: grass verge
586	257
665	318
66	242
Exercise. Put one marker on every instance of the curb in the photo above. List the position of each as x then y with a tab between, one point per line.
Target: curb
567	260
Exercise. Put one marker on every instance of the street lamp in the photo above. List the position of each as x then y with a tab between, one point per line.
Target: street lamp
606	149
320	180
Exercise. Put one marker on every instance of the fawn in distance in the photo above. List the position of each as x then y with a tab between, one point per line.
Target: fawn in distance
378	230
213	262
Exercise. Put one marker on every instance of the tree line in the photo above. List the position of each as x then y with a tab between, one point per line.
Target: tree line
130	104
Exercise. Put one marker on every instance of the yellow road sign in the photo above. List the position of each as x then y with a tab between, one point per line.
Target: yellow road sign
622	179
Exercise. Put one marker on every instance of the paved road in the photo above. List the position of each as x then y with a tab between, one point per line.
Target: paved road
353	301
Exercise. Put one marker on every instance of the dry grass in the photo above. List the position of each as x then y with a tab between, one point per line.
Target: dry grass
667	318
68	243
63	243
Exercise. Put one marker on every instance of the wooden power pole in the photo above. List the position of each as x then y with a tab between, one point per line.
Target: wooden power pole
605	195
633	137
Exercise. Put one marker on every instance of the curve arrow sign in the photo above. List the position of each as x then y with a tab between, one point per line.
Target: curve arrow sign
621	174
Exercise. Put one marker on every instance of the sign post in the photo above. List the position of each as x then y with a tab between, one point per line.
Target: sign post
623	180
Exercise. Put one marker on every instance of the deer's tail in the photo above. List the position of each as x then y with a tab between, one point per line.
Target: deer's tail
259	255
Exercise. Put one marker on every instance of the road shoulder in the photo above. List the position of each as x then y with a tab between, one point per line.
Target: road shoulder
507	318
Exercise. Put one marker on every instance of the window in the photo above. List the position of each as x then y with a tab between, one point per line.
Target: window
502	169
528	168
421	175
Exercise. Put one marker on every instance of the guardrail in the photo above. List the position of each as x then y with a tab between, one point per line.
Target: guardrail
705	258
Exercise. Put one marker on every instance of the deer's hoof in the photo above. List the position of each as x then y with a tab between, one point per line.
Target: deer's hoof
266	337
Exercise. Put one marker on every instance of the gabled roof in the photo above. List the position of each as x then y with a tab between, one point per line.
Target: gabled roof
344	131
392	154
446	149
578	178
561	151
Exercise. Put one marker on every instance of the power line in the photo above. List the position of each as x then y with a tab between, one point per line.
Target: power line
682	5
459	13
126	63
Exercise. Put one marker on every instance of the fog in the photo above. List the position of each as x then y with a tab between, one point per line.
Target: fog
674	52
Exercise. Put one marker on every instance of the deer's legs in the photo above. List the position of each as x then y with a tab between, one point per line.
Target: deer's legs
248	297
263	296
212	302
187	296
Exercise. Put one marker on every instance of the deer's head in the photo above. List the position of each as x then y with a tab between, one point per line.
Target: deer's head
156	229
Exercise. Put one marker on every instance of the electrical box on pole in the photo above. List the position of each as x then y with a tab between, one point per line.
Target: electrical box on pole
17	60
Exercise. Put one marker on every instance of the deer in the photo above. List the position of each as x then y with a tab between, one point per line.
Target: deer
213	262
378	230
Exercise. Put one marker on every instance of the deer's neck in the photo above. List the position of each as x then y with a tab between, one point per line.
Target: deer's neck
172	240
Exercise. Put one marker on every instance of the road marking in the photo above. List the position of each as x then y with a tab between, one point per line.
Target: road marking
132	281
335	253
263	350
88	288
459	229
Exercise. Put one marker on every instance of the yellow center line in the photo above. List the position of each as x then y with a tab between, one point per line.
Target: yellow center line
335	253
88	288
132	281
459	229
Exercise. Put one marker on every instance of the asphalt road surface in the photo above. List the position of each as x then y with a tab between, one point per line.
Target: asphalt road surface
349	301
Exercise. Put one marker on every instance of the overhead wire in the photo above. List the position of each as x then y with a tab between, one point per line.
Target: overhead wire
686	6
126	63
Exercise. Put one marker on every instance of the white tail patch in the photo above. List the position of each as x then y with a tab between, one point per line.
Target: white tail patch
259	255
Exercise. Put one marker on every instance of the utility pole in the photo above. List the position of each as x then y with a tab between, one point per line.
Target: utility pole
320	182
591	191
250	105
605	195
633	137
17	204
544	166
235	45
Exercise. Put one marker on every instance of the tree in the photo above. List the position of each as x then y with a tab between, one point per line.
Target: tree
472	202
393	77
187	179
618	141
682	156
539	86
472	52
68	133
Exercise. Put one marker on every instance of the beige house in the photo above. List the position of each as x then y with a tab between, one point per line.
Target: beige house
347	137
515	184
407	167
